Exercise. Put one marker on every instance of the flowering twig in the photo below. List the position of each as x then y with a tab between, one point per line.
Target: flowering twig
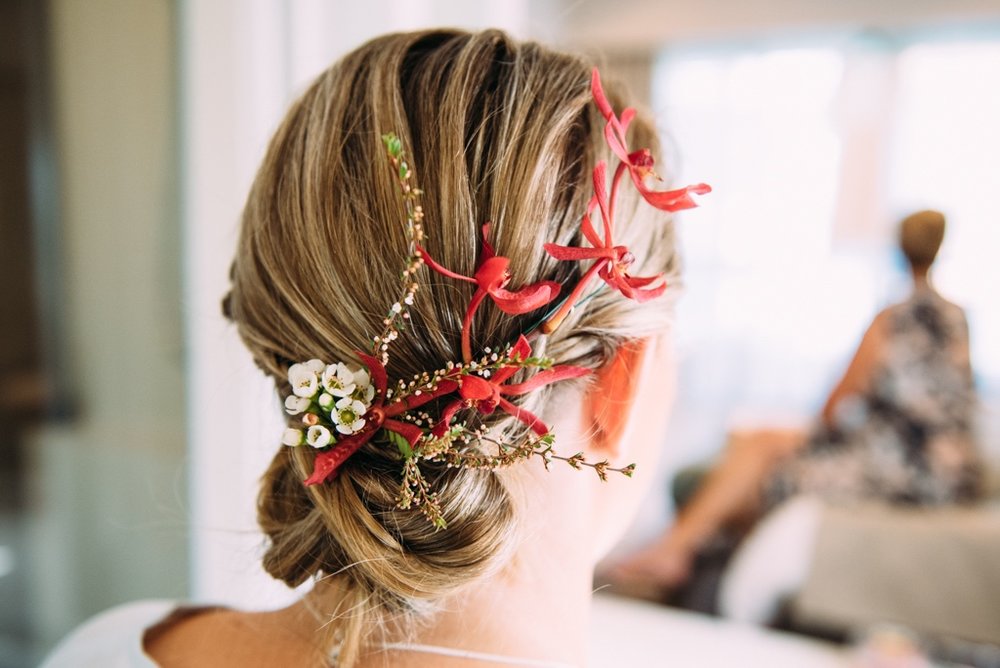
415	234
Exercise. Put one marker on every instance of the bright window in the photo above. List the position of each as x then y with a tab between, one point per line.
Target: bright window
815	153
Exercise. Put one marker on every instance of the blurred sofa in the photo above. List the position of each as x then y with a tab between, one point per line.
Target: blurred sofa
934	571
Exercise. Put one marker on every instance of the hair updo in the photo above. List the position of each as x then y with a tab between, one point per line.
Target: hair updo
496	131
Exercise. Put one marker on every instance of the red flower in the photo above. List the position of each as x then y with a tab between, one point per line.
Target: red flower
487	394
378	416
639	163
612	261
491	279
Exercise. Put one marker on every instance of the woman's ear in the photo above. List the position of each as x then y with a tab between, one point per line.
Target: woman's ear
608	402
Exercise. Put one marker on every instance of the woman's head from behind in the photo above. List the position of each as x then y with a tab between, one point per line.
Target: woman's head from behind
496	131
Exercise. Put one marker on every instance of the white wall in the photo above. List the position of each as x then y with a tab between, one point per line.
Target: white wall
110	487
650	24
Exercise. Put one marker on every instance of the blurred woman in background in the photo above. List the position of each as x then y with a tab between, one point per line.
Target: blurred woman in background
898	427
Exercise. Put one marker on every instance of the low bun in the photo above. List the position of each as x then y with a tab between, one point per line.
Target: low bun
391	561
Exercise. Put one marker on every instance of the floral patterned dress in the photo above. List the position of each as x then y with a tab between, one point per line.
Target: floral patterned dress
909	438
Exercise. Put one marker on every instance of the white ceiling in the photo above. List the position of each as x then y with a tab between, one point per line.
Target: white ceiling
644	24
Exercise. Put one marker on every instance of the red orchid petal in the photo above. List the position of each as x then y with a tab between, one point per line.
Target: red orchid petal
544	378
477	299
588	227
501	376
430	262
492	273
326	463
475	388
626	119
642	161
601	194
632	287
527	298
446	416
527	417
600	99
378	375
578	253
414	400
616	281
671	200
615	137
556	319
410	432
642	281
645	294
521	350
488	251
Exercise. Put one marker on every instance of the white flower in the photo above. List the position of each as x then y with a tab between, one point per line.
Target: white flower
304	378
348	415
326	401
295	405
361	376
292	437
338	380
318	436
364	391
364	394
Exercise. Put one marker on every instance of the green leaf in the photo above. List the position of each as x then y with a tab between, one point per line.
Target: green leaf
392	144
401	443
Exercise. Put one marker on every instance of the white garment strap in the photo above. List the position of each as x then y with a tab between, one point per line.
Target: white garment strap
478	656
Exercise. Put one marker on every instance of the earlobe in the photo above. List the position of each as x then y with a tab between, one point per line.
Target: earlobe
608	403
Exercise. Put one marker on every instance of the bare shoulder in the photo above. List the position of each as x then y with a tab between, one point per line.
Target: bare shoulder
955	312
881	327
222	638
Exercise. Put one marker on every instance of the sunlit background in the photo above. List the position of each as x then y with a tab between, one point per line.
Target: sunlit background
133	428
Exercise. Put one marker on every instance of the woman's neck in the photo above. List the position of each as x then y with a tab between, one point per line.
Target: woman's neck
536	606
921	280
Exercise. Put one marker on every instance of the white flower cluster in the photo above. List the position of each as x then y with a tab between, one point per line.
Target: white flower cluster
337	391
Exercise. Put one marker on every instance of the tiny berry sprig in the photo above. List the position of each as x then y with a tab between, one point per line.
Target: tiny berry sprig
415	234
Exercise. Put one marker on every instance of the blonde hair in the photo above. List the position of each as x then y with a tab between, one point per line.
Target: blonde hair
920	237
496	130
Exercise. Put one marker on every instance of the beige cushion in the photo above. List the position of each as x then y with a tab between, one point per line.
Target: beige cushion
934	571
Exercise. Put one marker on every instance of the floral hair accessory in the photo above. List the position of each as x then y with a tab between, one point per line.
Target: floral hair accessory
491	279
342	406
638	163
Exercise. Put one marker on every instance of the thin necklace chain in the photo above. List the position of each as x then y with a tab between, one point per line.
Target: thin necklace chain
477	656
